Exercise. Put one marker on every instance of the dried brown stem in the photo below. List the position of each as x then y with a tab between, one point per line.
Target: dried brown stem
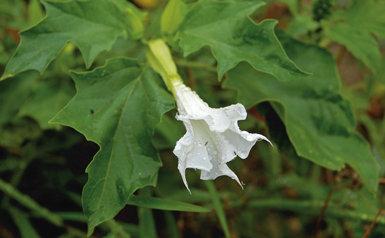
319	220
367	232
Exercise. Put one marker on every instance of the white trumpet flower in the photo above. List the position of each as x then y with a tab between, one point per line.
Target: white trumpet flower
212	137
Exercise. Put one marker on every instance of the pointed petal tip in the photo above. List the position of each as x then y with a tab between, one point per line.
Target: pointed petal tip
241	184
185	184
182	173
265	139
237	179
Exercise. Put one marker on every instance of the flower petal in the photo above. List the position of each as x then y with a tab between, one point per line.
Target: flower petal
212	137
242	140
219	170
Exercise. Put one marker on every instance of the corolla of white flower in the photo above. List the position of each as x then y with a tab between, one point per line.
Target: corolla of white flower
212	137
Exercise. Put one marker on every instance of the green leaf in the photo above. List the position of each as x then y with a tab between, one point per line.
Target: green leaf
116	230
380	74
293	6
131	229
37	97
367	15
146	219
117	106
233	38
354	28
46	98
21	220
168	132
28	202
218	207
358	41
313	207
164	204
301	24
15	132
319	122
146	223
13	94
171	225
93	26
9	163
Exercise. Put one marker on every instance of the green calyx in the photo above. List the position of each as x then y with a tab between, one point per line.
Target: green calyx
160	59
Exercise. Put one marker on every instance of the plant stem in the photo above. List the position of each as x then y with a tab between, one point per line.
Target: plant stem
312	207
116	229
194	64
35	207
16	177
218	207
30	203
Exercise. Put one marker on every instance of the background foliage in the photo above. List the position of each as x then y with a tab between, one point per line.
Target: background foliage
77	94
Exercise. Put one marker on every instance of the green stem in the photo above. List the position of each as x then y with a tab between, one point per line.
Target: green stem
16	177
218	207
117	229
36	208
312	207
194	64
30	203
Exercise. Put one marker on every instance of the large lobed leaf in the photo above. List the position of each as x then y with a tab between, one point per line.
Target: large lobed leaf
117	106
32	96
319	122
92	25
358	41
13	94
368	15
46	97
225	27
354	28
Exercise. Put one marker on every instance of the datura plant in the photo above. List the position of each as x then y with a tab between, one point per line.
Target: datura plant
212	137
153	97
